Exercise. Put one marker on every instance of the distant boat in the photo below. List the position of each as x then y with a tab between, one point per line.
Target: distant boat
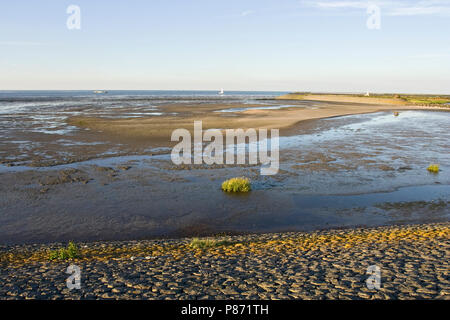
221	92
100	91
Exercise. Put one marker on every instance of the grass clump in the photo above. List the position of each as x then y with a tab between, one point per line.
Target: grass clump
71	252
237	185
434	168
197	243
427	101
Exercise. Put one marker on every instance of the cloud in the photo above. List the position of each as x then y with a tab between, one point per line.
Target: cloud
246	13
431	55
343	4
414	11
391	8
19	43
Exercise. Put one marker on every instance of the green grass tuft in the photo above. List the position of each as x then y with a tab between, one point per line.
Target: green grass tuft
237	185
81	123
197	243
434	168
71	252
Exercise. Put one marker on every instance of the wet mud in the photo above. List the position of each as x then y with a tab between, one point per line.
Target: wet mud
359	170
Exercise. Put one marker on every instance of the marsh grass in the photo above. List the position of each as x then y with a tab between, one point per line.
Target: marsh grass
197	243
434	168
81	123
422	100
417	99
427	100
237	185
71	252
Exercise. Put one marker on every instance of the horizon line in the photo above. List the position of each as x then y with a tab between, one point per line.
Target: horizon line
212	90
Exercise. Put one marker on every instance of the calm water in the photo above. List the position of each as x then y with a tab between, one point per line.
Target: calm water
6	96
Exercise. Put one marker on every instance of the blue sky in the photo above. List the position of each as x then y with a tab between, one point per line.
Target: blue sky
238	45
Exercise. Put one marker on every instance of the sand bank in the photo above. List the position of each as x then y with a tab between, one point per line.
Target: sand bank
159	129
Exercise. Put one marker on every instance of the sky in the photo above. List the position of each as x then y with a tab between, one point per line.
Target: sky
278	45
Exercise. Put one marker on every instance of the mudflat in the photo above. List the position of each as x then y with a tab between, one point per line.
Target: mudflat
100	174
51	134
353	170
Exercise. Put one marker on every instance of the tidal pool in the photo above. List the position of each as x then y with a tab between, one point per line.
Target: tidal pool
371	152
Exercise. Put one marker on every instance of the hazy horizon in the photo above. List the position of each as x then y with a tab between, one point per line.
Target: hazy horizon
215	91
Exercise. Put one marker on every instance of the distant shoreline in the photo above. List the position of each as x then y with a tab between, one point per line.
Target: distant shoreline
377	99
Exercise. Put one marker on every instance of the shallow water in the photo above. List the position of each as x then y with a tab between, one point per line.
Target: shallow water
374	152
265	107
41	117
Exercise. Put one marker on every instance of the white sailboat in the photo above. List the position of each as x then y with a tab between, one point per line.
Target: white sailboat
221	92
